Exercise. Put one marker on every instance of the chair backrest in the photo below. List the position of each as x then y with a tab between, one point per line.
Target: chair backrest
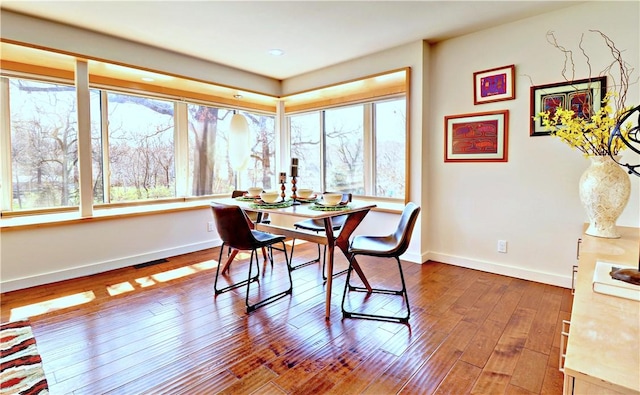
237	193
407	222
233	226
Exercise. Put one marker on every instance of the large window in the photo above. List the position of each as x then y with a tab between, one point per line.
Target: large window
358	148
141	148
44	146
135	143
211	169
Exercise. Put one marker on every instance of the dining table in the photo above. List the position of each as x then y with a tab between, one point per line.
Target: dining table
354	210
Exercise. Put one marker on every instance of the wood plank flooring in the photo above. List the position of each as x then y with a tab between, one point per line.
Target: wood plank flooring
159	329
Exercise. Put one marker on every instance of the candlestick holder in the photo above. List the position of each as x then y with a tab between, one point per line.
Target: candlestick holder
283	188
293	190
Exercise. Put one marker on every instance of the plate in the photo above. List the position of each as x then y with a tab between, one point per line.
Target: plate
251	197
310	199
330	205
263	203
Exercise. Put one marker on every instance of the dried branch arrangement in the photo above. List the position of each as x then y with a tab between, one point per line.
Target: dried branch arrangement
618	70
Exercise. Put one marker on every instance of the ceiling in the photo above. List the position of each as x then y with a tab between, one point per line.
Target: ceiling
313	34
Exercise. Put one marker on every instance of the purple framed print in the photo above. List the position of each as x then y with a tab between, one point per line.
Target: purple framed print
584	97
479	137
494	85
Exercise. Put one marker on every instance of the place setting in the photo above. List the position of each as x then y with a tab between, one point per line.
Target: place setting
251	195
330	202
270	199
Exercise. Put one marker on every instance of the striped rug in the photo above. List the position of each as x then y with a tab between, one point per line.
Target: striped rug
20	364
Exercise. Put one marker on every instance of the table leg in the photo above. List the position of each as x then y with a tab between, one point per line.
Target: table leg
233	254
342	242
351	223
328	227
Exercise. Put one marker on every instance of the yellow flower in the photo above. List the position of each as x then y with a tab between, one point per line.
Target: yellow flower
589	135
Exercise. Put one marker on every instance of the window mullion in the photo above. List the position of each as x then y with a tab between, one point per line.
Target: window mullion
85	164
5	147
104	134
369	149
181	138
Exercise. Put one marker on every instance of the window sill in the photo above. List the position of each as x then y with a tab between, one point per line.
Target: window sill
110	213
101	214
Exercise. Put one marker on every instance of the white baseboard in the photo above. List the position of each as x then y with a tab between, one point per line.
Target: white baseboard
505	270
100	267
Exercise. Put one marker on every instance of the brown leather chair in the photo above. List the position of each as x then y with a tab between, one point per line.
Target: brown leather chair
391	246
235	230
317	225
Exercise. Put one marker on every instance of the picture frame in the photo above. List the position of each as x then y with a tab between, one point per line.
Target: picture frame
477	137
494	85
584	96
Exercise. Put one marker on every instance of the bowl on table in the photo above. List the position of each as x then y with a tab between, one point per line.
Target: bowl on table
305	193
254	191
270	196
332	199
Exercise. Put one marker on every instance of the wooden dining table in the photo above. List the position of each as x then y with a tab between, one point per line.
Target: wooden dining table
355	211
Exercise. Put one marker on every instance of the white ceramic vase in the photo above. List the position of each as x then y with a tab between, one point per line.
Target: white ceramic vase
604	191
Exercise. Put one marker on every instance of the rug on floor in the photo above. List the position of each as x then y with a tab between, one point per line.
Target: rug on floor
21	369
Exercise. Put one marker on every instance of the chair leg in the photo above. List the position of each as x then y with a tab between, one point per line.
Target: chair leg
272	298
403	292
303	264
232	286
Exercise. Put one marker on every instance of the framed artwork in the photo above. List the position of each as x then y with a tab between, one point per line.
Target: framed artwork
582	96
479	137
494	85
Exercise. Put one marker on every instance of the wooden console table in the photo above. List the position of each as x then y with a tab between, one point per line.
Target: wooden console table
603	348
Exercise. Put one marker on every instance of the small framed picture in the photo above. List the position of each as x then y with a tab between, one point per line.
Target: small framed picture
584	97
494	85
479	137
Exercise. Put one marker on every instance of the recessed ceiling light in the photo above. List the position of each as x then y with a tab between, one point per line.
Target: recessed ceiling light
276	52
148	79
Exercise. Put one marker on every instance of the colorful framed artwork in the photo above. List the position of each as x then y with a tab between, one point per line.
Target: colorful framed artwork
479	137
582	96
494	85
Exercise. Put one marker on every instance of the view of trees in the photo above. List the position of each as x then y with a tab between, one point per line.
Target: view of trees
344	135
134	157
140	147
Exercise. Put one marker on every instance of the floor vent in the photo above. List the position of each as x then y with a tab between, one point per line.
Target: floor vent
150	263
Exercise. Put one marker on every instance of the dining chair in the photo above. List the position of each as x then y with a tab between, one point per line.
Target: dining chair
390	246
235	230
317	225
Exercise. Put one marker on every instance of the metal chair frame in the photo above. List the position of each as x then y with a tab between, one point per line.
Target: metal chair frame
241	237
317	226
397	242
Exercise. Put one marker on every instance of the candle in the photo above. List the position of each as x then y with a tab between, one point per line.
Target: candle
294	170
283	178
294	162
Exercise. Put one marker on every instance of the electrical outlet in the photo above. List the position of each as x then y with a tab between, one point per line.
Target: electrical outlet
210	226
502	246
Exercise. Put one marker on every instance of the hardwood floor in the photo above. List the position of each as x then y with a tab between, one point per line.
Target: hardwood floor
159	329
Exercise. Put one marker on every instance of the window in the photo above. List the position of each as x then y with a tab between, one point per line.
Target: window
141	147
344	149
211	170
44	149
359	148
135	142
305	145
390	148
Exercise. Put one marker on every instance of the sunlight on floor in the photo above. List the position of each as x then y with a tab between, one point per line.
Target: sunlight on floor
52	305
113	290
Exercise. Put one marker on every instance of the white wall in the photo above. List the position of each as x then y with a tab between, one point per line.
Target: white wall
46	254
531	201
26	29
